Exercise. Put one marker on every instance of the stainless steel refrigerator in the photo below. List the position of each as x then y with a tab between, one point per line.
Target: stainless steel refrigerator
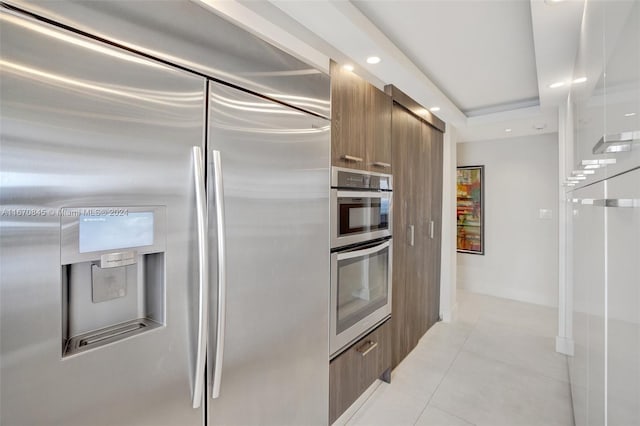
163	239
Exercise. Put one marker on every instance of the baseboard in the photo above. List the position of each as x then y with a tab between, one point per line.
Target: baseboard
564	345
450	316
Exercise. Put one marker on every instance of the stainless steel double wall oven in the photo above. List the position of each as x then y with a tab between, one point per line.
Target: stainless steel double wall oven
361	253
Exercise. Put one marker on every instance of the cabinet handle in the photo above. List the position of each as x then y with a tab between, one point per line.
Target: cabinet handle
367	347
352	158
431	229
617	202
381	164
412	235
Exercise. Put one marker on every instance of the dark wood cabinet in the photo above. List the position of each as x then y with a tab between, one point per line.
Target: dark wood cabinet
378	130
360	123
348	142
381	132
354	370
417	198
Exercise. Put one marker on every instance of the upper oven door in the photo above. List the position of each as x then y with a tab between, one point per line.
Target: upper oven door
358	216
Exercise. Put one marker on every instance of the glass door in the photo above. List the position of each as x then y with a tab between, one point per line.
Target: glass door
361	291
360	216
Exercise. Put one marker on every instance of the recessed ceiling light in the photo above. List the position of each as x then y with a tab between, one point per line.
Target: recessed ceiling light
630	114
556	84
434	109
348	67
507	130
579	80
552	2
373	60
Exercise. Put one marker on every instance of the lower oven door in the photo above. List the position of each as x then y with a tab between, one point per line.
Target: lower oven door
360	291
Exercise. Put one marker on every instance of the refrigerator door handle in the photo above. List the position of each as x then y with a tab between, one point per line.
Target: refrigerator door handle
203	275
222	275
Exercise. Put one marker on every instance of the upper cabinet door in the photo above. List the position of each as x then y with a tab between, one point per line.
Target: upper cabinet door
361	123
348	142
378	130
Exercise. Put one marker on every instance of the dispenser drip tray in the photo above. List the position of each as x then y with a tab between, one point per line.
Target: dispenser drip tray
103	336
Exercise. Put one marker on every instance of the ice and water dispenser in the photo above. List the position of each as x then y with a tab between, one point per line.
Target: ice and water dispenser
113	274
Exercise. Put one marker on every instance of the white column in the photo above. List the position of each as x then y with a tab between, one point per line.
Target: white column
564	339
448	303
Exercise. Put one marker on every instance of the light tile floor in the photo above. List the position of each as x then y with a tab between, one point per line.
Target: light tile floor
495	365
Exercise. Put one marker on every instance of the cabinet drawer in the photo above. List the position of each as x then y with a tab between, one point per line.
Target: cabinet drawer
353	371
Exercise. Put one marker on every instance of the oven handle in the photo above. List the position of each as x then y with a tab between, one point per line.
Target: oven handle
363	252
363	194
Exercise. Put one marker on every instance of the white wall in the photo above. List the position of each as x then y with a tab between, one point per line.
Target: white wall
521	250
448	303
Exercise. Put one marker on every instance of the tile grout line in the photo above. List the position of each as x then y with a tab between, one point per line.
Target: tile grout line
527	369
453	415
445	374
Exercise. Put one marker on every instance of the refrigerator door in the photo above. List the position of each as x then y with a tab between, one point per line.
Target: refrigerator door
191	34
84	125
275	177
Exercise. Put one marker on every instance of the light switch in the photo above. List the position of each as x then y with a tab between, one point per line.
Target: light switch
545	214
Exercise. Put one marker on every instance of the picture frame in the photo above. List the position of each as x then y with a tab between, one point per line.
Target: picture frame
470	210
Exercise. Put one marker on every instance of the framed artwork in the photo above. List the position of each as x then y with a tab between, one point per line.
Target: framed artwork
470	209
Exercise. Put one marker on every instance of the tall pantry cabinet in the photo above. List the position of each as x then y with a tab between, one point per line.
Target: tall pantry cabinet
417	151
388	132
360	139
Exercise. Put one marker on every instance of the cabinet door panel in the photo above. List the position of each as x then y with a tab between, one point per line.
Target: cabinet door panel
400	233
378	359
587	367
417	159
353	371
378	130
348	143
623	301
344	382
418	203
423	211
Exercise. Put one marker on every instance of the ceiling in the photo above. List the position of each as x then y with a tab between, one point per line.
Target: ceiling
487	64
460	43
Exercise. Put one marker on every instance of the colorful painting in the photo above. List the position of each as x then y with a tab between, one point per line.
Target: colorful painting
470	209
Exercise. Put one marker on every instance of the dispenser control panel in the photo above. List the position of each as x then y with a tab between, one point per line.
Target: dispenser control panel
105	233
109	232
